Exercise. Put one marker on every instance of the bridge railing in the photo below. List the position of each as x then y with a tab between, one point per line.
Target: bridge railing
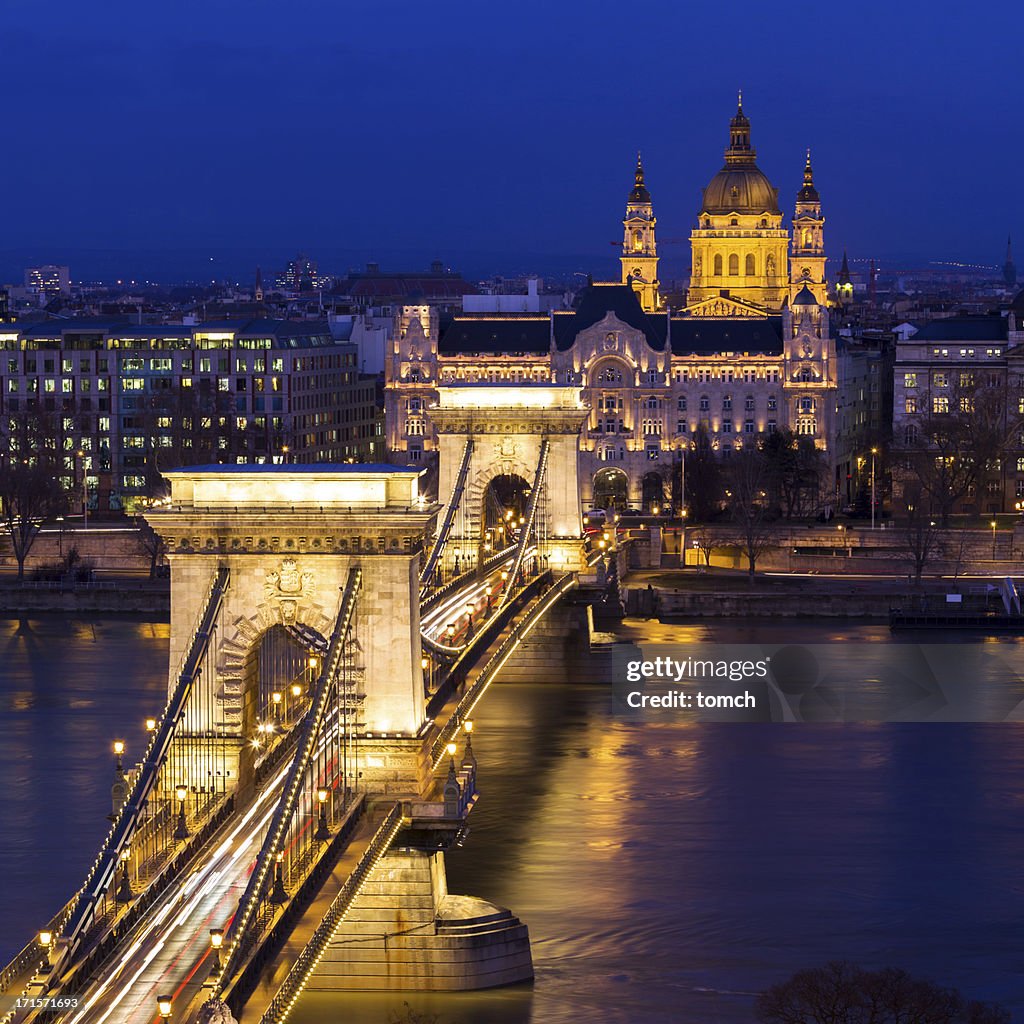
495	663
296	979
531	515
309	729
454	501
463	578
102	872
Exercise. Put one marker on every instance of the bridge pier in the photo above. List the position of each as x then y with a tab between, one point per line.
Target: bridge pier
406	932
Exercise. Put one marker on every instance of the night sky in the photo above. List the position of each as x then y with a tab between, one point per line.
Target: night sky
499	137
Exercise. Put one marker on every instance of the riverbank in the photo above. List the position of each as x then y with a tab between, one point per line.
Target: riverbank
113	596
688	594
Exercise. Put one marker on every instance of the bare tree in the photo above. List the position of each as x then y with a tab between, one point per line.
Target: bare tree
30	494
793	472
841	993
704	477
152	543
920	532
956	441
748	504
705	544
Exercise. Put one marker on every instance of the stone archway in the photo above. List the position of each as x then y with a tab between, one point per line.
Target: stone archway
611	488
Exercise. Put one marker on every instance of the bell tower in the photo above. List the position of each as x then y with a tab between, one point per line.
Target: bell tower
807	265
639	252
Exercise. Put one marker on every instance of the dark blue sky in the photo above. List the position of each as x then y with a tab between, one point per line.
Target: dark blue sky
497	134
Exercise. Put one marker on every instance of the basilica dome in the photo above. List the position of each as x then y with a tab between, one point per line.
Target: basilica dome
740	186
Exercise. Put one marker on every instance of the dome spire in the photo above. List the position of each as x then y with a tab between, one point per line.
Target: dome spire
808	194
740	150
639	193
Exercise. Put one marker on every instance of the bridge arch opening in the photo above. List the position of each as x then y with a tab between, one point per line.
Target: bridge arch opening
611	489
505	501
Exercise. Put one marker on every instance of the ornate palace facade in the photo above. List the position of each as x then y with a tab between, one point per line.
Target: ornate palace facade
750	354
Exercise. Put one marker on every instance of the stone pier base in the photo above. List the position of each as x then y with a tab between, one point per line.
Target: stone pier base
405	932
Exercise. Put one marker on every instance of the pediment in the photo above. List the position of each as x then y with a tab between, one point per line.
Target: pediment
722	307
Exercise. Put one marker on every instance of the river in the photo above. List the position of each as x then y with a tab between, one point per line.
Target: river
667	871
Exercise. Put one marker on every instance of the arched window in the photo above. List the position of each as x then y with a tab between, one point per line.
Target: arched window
807	238
734	223
734	265
748	268
638	241
718	265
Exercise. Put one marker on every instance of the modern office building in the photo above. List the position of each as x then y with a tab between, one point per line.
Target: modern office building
119	402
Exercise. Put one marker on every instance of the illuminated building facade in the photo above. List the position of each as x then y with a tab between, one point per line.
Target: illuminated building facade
121	402
651	380
639	251
740	249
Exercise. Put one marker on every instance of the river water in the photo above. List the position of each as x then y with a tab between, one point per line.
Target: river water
667	870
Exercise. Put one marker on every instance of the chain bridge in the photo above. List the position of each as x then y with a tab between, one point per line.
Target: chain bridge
332	630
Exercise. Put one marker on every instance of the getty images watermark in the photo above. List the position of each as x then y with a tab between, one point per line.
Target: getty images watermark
837	682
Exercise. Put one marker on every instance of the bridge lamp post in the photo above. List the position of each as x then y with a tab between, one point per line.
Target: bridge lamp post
181	832
150	725
487	607
163	1004
124	890
458	556
469	757
450	632
279	894
504	580
469	621
296	693
118	753
425	668
275	698
451	748
216	941
323	833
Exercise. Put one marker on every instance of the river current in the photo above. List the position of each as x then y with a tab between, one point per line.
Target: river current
667	870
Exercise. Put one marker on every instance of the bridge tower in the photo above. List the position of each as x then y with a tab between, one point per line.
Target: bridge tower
509	427
289	534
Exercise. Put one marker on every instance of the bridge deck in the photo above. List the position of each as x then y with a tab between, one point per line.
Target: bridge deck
271	979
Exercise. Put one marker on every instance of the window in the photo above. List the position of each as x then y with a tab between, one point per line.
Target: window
726	403
681	404
748	403
940	404
651	426
718	266
748	268
651	403
910	380
910	434
705	403
807	404
748	426
734	265
653	452
415	453
910	404
966	403
682	427
773	403
940	380
966	380
726	426
415	404
1020	464
415	426
132	384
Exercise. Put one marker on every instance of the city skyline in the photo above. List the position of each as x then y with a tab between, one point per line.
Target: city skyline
470	139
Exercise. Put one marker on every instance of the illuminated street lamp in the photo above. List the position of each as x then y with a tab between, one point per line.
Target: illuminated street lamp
487	594
450	631
216	941
451	748
323	833
993	525
874	452
181	832
469	621
46	939
296	690
150	725
118	752
164	1006
469	755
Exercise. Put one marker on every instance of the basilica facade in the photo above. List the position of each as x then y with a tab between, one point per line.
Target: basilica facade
751	352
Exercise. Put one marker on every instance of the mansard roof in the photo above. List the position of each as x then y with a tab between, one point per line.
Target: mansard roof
964	328
596	301
496	334
703	337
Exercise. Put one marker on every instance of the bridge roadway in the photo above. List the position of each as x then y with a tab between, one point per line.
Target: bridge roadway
169	951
